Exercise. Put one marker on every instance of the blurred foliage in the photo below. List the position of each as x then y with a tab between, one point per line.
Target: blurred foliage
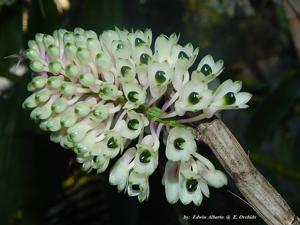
41	184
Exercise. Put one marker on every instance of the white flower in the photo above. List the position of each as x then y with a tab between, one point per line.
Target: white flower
132	126
188	180
107	38
227	96
120	171
103	62
163	46
189	190
112	145
125	70
180	144
208	69
138	185
121	49
194	96
142	56
191	185
87	162
101	161
214	178
98	162
87	146
152	141
139	38
182	59
135	95
146	160
159	78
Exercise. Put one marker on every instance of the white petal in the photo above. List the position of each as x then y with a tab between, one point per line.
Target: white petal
216	179
204	187
242	98
119	172
208	59
197	196
184	196
171	182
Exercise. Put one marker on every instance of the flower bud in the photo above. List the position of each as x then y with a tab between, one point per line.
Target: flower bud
68	89
72	71
52	124
54	82
68	119
107	37
39	81
77	132
48	40
41	112
108	91
59	105
82	109
39	40
83	55
79	30
93	46
99	113
32	54
55	67
53	52
43	95
91	34
69	38
57	136
66	143
33	45
70	51
80	40
30	87
103	62
87	79
36	66
30	102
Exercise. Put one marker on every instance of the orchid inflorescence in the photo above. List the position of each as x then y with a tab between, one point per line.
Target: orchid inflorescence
99	96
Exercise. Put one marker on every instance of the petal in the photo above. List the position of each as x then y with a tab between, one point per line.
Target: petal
184	196
216	179
242	98
208	59
171	182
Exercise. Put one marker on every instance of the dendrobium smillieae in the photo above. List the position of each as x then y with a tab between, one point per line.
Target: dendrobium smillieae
113	95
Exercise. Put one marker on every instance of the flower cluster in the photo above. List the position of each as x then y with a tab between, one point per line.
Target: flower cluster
113	95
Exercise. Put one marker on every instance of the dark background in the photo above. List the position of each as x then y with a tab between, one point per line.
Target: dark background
40	183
